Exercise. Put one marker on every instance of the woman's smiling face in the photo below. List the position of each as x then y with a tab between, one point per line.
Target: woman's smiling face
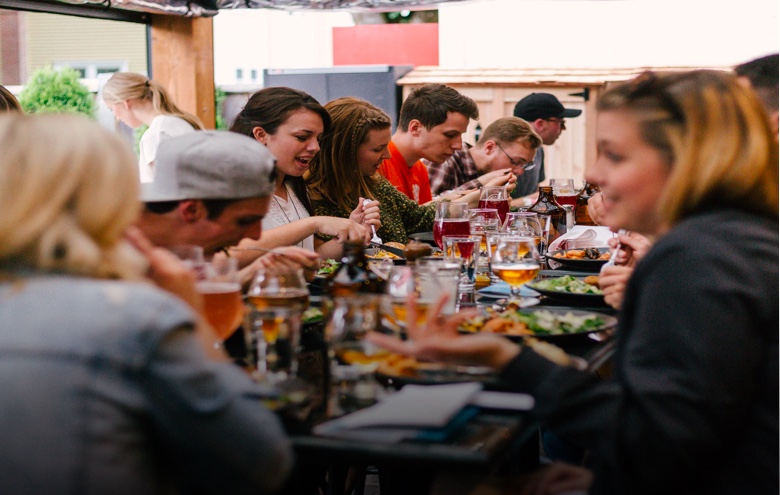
631	173
295	142
373	151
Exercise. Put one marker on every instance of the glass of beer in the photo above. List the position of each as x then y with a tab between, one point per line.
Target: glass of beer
401	284
524	224
278	288
516	261
219	284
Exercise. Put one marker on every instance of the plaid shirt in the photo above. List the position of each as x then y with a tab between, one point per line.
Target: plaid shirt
457	172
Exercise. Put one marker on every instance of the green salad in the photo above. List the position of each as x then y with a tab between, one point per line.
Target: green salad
544	322
567	283
328	266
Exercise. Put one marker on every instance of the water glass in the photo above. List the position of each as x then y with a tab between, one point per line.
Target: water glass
438	276
402	283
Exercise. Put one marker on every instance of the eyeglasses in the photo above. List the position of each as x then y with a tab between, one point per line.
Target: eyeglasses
518	162
562	122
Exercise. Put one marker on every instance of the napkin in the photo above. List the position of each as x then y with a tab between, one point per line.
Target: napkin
413	410
501	289
603	234
422	412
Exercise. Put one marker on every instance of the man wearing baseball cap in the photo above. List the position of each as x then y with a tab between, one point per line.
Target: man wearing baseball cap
212	189
547	116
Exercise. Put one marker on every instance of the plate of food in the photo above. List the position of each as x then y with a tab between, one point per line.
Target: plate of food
587	259
397	370
577	291
544	323
375	253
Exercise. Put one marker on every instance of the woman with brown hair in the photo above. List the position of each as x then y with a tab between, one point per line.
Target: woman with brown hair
344	172
137	100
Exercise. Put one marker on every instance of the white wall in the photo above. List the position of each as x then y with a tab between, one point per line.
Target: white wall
620	33
263	39
521	33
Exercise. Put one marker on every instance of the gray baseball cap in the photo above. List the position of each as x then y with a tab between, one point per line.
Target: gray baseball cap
210	165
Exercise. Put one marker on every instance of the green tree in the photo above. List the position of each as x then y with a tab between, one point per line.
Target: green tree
219	102
50	90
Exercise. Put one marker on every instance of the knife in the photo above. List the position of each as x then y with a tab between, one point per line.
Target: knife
390	249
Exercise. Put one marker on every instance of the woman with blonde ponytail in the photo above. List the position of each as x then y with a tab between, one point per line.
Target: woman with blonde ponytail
137	100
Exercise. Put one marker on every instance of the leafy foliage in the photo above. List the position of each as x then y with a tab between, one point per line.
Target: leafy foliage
50	90
219	102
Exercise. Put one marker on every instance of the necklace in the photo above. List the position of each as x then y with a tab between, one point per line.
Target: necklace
291	201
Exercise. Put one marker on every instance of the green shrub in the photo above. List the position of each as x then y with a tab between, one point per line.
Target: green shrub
50	90
219	102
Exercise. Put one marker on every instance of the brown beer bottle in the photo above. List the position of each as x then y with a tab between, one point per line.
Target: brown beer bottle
581	216
353	275
552	216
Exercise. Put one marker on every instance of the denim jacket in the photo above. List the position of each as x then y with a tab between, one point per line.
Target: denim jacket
104	389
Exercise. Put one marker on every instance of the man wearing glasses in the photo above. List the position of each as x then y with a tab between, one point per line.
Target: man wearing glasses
546	114
505	150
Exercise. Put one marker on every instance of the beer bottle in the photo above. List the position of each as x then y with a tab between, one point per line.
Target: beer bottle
353	275
552	216
581	216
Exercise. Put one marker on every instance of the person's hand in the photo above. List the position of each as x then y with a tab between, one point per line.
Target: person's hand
633	248
498	177
366	214
596	208
283	258
343	229
438	340
613	281
558	478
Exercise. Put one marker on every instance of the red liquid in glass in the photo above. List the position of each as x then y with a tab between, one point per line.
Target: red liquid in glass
567	200
449	226
502	205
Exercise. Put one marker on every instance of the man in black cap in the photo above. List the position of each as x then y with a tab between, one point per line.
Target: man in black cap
546	115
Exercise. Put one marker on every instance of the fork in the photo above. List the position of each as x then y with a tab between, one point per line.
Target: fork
614	254
375	238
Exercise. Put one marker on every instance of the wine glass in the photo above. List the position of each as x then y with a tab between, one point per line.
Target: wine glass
451	218
483	221
524	224
495	197
564	191
219	284
516	261
353	358
277	296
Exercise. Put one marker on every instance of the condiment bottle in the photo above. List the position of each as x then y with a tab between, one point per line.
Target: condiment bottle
353	275
581	216
552	216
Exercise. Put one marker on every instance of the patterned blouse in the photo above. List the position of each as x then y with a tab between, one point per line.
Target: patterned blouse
400	215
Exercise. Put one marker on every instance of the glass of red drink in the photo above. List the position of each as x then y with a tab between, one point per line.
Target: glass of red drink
451	219
564	191
495	197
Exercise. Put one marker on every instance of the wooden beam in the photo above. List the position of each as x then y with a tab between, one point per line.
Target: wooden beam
182	51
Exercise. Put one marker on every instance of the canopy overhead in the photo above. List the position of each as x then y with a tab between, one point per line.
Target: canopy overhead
206	8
